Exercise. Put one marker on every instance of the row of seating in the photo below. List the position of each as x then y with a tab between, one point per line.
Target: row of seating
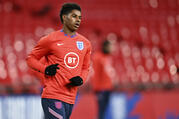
146	32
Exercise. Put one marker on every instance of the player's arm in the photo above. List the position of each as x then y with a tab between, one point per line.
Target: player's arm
40	50
86	64
78	80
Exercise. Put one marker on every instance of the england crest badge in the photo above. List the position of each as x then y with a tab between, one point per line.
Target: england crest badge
80	45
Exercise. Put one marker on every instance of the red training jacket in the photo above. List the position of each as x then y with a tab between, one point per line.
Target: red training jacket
72	53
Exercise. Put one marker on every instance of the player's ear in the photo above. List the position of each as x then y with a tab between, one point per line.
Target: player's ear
64	18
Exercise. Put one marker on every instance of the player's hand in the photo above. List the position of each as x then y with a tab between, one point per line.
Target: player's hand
76	81
51	70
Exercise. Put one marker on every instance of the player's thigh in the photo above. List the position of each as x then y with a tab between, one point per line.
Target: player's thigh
53	109
68	109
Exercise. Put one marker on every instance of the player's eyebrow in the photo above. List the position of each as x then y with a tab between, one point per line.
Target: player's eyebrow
76	15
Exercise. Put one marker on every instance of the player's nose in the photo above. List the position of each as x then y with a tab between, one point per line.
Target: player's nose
78	20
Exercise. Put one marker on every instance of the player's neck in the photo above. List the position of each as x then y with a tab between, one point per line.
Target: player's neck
68	32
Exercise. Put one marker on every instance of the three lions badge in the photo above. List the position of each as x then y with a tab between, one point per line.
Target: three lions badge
80	45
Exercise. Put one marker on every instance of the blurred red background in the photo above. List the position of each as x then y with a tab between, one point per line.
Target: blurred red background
146	31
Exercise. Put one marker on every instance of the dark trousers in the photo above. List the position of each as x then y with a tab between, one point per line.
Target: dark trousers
56	109
103	100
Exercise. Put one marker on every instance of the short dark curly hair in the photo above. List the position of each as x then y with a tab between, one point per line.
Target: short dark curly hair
67	8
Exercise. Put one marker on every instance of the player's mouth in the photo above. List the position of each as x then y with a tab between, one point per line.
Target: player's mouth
77	25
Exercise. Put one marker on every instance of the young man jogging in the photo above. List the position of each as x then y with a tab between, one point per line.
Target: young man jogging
65	66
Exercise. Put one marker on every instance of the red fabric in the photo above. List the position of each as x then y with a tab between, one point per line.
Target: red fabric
101	79
59	48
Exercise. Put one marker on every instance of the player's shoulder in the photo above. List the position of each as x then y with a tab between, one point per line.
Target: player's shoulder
55	34
48	38
84	39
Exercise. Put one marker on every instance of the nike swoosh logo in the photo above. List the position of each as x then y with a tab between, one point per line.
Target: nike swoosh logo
59	44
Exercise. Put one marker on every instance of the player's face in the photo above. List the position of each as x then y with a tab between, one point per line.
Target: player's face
73	20
110	48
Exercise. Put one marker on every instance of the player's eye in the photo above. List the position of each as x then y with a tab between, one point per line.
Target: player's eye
74	15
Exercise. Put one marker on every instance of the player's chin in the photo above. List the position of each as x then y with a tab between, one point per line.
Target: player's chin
73	29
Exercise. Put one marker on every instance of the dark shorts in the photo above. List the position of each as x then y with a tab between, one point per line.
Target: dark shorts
56	109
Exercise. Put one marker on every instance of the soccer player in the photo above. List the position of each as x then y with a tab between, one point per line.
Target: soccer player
65	64
103	81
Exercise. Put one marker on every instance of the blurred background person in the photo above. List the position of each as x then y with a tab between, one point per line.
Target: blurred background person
103	80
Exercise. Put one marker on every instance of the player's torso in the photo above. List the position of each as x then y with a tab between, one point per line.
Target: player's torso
68	52
102	66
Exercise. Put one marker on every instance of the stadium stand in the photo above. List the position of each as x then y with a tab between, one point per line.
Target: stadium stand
147	33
